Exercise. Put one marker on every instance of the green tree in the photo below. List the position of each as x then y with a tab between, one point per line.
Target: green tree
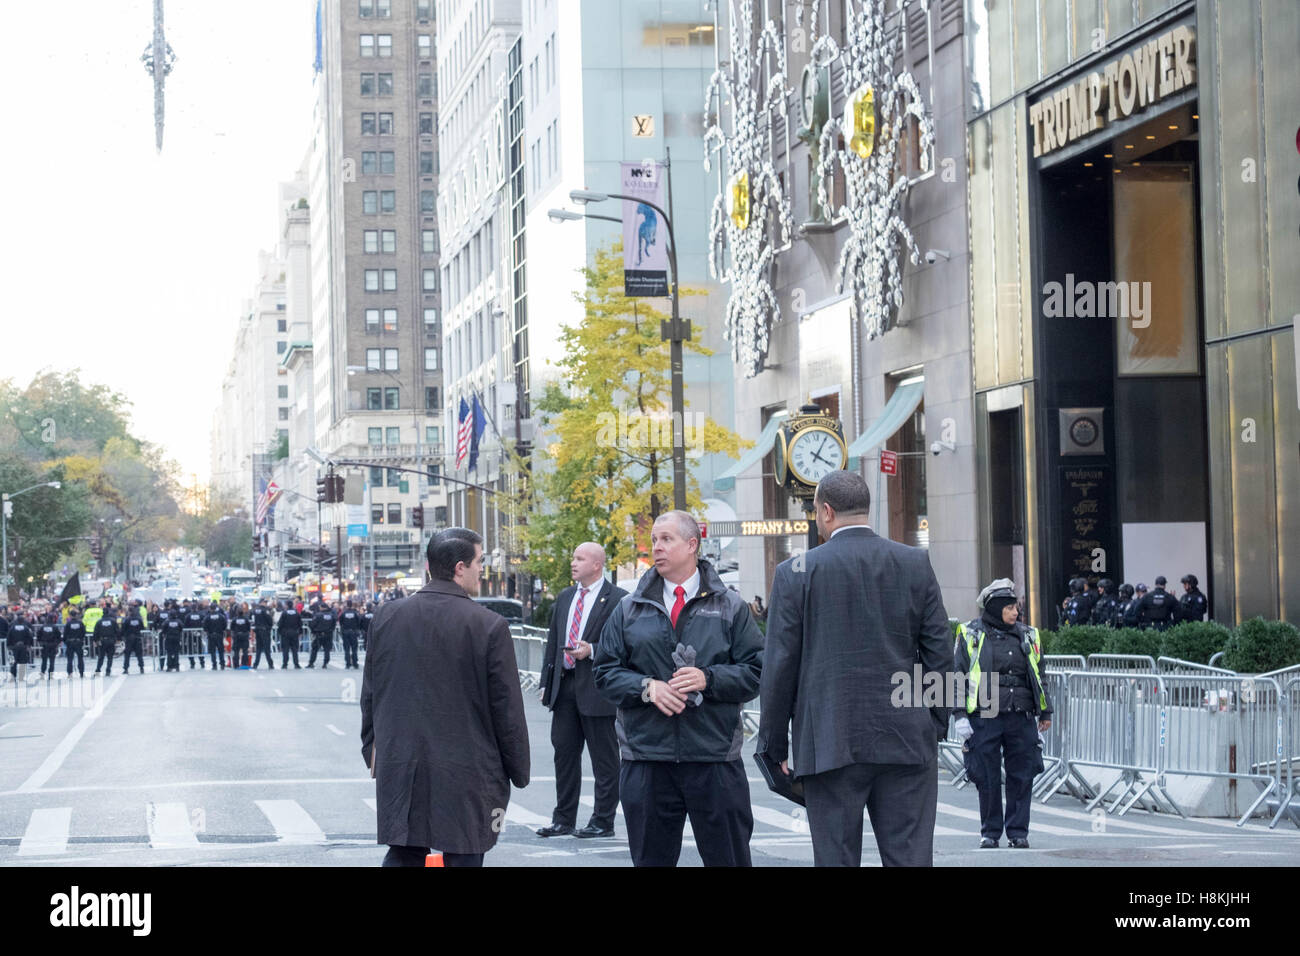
223	530
45	521
608	473
56	415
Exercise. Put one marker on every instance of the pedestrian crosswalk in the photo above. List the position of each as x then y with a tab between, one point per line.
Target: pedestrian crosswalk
50	832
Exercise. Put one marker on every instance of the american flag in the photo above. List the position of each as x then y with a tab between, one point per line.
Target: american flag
266	500
464	429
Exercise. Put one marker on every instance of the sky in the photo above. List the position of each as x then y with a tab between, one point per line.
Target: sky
129	264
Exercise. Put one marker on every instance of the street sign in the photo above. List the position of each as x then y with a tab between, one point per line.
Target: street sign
888	462
704	529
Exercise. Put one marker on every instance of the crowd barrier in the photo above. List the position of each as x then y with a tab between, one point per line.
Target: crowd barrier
1289	802
530	649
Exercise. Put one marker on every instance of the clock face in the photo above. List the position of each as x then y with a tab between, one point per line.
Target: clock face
814	454
808	94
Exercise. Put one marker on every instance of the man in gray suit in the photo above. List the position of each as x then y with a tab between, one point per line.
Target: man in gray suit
844	620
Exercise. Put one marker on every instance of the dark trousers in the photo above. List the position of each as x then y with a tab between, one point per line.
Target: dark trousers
289	645
217	650
569	729
901	799
107	648
239	652
350	648
48	654
75	649
133	646
325	644
1010	739
263	641
414	856
173	653
659	796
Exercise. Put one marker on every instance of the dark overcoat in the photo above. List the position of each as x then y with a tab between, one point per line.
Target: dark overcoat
440	702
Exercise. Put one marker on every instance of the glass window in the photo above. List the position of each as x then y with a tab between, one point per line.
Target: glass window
390	240
376	473
394	438
428	241
431	360
385	124
430	280
384	8
370	202
280	347
372	359
430	320
367	124
366	8
385	84
428	201
282	325
431	397
431	434
426	124
385	44
390	320
374	399
367	44
370	242
374	436
390	280
394	476
372	280
424	46
368	165
284	414
435	479
424	84
376	514
426	163
372	320
394	513
282	391
367	84
423	8
387	162
390	360
391	399
388	200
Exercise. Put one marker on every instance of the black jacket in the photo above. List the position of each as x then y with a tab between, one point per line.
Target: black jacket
214	622
262	620
350	622
74	632
290	621
1192	606
49	636
638	642
322	623
240	625
132	627
995	650
1158	609
598	607
106	629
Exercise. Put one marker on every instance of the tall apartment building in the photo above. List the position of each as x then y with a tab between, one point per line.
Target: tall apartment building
376	328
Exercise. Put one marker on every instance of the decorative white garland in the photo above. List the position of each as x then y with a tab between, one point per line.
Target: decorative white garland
752	306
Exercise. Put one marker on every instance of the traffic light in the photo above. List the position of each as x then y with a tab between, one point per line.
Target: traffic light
322	490
96	549
336	492
257	543
417	516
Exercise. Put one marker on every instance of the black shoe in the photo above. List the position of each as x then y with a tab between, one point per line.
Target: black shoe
296	667
311	667
555	829
1019	843
590	831
987	844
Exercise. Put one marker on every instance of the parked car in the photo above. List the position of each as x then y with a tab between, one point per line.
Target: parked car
512	611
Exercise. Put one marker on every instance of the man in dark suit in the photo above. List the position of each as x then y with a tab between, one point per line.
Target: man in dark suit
578	712
442	716
845	619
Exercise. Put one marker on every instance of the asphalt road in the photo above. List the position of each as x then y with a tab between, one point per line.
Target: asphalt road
257	768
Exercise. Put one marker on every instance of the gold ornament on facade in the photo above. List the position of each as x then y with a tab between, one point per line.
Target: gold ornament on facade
738	199
860	120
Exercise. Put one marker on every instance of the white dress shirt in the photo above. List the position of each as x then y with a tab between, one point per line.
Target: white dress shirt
591	590
845	527
691	585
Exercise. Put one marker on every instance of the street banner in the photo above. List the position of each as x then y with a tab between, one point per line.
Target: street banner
645	235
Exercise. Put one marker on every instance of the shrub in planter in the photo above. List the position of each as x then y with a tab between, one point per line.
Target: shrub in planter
1082	639
1195	641
1131	640
1259	645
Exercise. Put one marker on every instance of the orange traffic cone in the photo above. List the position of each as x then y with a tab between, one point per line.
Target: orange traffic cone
433	859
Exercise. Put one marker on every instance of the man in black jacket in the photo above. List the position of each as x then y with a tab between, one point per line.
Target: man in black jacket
241	626
214	625
170	630
845	621
678	659
21	639
578	713
49	637
263	621
322	633
1158	609
106	636
290	630
74	641
132	640
1192	605
350	628
193	621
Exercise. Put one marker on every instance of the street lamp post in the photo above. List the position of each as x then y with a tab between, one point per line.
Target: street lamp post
675	332
5	511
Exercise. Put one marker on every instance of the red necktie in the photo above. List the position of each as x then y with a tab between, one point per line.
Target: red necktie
679	603
574	629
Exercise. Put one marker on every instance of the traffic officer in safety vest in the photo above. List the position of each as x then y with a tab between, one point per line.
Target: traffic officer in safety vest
1004	710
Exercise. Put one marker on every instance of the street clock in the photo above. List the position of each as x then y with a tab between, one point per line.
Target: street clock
808	447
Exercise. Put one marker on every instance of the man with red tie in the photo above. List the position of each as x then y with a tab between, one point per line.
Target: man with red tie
578	712
678	658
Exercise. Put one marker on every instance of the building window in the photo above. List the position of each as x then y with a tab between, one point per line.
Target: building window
390	360
367	124
394	476
390	240
394	438
282	391
385	44
385	84
426	124
372	320
390	280
431	434
367	84
387	162
368	164
372	360
431	398
374	436
390	320
388	200
428	201
384	8
428	241
284	414
367	44
280	347
376	473
282	325
423	9
372	280
552	74
394	513
424	84
366	8
374	399
435	479
370	240
391	399
424	46
385	124
430	280
431	360
426	163
430	320
370	202
376	514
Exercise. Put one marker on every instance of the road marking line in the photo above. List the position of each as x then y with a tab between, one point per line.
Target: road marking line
278	692
371	802
776	818
302	708
47	832
517	814
60	753
201	783
1111	821
591	802
334	730
290	821
6	726
169	826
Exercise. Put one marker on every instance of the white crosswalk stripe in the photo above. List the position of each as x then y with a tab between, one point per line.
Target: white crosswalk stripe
372	803
169	826
291	822
47	832
517	814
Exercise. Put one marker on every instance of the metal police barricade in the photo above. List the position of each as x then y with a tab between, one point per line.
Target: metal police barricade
530	649
1115	663
1064	662
1225	726
192	643
1173	665
1117	722
950	755
1057	772
1289	721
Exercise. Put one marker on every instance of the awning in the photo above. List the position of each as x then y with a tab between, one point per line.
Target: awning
727	480
897	410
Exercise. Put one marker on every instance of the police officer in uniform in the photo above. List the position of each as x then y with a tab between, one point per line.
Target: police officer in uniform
171	629
997	644
322	633
350	627
1078	607
1192	606
133	640
1122	607
1158	609
262	623
290	627
47	633
106	636
193	620
214	625
241	627
74	642
1104	611
20	640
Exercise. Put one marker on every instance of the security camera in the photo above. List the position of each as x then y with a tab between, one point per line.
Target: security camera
934	255
935	448
938	446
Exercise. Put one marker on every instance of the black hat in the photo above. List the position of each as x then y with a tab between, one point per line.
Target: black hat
1106	583
1141	587
1160	580
1190	579
1077	585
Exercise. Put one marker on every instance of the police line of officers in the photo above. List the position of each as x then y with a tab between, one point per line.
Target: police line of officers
102	625
1100	603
